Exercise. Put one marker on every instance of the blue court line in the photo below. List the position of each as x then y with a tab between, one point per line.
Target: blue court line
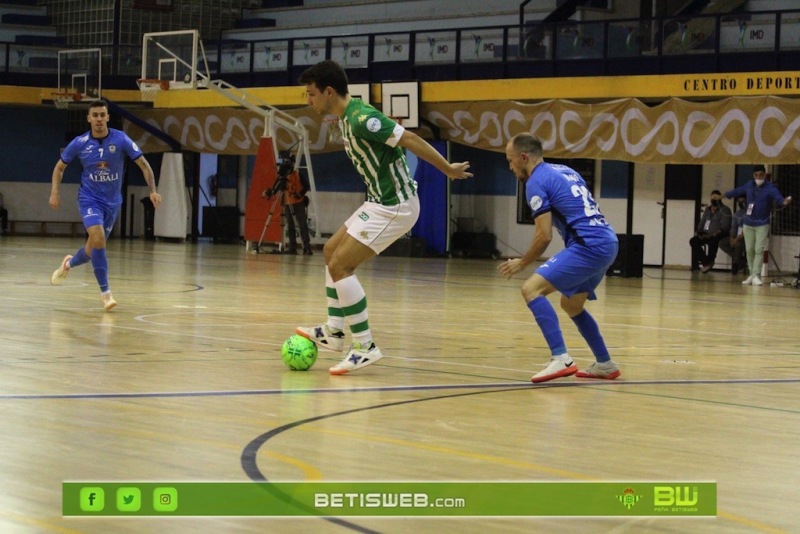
169	394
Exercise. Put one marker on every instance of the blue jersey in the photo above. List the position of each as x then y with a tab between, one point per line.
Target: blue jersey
103	163
563	192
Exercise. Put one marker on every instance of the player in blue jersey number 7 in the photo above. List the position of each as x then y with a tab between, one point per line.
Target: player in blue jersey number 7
374	143
558	197
101	151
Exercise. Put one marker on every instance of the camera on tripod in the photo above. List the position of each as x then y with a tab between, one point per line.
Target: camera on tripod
286	162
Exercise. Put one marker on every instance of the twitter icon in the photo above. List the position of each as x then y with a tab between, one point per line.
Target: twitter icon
129	499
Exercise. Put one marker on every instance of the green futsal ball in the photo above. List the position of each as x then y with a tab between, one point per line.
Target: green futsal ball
299	353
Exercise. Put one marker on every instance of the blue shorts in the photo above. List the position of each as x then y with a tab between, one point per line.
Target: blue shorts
94	213
579	269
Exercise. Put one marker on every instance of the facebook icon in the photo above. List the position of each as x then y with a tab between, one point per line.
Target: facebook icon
92	499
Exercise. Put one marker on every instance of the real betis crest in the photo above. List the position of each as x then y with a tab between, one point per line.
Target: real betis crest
628	498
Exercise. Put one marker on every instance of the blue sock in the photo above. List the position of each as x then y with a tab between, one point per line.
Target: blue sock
100	264
588	328
79	258
547	320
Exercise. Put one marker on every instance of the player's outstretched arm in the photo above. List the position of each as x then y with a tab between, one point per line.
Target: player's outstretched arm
149	177
55	193
425	151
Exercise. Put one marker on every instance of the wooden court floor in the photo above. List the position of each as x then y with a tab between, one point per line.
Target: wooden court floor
183	382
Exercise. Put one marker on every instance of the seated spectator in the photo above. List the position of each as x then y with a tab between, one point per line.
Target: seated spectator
714	225
734	245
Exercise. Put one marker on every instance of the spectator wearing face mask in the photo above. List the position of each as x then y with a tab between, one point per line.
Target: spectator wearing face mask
760	195
715	225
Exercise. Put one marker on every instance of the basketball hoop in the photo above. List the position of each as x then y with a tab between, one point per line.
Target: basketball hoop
334	130
151	87
63	98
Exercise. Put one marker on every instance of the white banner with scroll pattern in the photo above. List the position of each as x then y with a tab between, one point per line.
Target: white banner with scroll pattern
742	130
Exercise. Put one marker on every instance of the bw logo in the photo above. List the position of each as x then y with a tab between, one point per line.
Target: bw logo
677	496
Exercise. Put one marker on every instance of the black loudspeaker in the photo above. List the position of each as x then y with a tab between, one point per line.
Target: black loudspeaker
474	244
221	223
406	247
629	258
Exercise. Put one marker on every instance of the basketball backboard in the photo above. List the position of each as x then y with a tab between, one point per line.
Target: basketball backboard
173	56
80	72
359	90
400	100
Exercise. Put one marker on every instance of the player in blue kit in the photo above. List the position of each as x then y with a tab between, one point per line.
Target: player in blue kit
558	197
101	151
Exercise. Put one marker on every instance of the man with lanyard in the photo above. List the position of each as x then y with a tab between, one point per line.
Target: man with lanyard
714	226
759	195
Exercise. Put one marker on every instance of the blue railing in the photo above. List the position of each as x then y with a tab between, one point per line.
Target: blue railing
530	50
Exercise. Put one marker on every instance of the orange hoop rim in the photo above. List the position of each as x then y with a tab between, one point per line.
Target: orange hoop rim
66	96
150	82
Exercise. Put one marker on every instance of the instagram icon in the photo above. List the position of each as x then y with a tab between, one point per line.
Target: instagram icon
165	499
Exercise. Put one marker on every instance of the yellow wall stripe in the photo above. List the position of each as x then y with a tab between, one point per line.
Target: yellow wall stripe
657	87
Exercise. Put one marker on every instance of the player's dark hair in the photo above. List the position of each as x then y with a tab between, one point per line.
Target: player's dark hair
716	192
525	142
99	103
324	74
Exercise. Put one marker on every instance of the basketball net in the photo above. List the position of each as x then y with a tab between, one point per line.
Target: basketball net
151	88
62	100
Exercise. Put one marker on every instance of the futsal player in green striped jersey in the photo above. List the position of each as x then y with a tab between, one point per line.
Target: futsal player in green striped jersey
374	143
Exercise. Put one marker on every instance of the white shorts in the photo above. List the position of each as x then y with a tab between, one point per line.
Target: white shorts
378	226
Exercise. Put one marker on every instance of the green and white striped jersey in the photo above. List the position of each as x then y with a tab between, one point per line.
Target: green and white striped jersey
370	141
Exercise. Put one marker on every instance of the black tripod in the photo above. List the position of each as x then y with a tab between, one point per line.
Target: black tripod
277	194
